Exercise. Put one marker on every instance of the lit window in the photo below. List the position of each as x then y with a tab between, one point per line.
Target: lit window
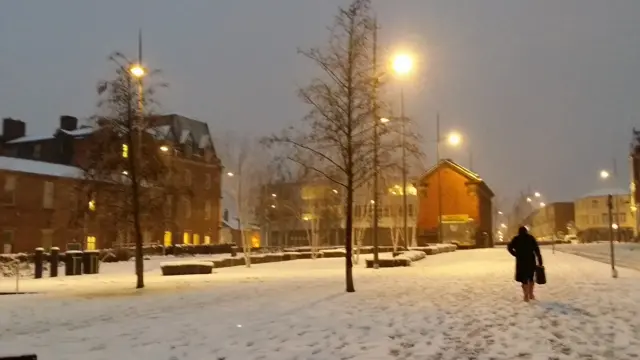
125	150
186	238
167	238
207	239
196	239
91	243
92	205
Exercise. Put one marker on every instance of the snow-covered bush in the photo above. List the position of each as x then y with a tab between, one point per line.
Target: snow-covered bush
186	268
412	255
334	253
429	250
390	262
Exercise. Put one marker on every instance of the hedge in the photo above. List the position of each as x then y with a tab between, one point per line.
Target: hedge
186	268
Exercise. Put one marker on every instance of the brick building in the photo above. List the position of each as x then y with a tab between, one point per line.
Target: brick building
186	144
552	221
466	200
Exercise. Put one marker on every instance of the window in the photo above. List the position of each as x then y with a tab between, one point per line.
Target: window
225	215
605	218
47	239
207	181
168	206
594	220
187	177
207	210
9	193
90	243
207	239
125	150
7	241
409	209
186	208
167	239
186	238
622	218
47	198
196	239
37	150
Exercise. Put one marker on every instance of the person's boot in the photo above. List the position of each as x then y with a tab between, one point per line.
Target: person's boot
531	296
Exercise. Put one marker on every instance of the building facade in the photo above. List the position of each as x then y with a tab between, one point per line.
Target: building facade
184	144
592	215
457	203
553	221
302	213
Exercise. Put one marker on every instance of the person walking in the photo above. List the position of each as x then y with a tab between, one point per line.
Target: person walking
524	247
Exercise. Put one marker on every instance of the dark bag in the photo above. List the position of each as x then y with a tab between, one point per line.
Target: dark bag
541	277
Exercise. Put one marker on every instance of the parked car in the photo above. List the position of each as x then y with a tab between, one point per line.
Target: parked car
572	239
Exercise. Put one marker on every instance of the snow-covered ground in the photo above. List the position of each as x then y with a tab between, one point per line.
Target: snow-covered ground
461	305
626	254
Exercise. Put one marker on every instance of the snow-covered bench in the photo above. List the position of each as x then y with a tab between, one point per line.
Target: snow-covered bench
186	268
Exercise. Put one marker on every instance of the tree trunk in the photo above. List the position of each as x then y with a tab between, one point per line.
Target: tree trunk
132	154
349	237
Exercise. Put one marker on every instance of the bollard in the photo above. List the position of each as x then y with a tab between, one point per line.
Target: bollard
53	261
38	260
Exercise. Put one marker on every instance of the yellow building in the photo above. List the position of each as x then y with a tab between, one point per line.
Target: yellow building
592	215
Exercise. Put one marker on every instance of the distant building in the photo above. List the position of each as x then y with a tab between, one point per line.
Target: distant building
553	221
592	215
462	201
186	143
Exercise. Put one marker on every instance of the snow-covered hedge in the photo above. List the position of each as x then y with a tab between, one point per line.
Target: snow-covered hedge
186	268
390	262
334	253
412	255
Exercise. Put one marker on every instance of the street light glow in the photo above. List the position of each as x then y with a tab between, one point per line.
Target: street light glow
274	195
402	64
335	191
528	199
604	174
499	212
164	148
454	139
614	226
137	71
273	206
230	174
537	194
373	201
384	120
504	226
542	204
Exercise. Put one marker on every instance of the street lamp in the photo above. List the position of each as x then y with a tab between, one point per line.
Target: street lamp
384	120
164	148
453	139
230	174
137	71
604	174
537	194
402	65
542	204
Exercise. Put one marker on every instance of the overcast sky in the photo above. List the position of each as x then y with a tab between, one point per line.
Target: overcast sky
545	92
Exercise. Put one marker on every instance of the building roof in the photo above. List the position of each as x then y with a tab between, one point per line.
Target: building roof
30	138
39	168
606	191
472	176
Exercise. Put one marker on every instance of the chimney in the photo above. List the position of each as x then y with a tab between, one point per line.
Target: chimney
68	123
12	129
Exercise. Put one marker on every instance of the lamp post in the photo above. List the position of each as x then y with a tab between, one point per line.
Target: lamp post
454	139
402	65
604	174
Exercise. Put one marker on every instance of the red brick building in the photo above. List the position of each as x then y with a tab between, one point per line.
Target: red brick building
466	206
31	164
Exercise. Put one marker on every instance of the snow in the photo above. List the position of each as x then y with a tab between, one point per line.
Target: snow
39	167
81	131
30	138
460	305
626	254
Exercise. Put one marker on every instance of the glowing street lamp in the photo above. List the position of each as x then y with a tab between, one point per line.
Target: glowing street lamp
529	199
402	64
230	174
384	120
137	70
164	148
274	195
537	194
604	174
542	204
454	139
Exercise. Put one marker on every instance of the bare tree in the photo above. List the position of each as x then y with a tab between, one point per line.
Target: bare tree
245	162
335	139
124	190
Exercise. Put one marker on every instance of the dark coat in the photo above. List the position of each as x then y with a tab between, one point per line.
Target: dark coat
524	248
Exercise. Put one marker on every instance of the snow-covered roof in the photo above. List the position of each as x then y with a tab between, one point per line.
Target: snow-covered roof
81	131
160	132
606	191
39	167
29	139
204	141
